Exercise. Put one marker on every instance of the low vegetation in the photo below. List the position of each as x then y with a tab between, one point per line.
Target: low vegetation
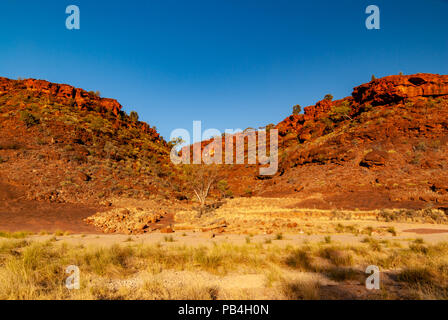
116	154
36	270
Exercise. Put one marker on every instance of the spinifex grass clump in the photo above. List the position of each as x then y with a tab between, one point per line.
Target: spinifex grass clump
36	270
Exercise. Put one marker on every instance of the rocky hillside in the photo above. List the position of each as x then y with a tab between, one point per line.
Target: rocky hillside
64	144
384	146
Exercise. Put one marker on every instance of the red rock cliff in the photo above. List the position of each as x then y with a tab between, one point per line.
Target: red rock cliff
63	92
383	91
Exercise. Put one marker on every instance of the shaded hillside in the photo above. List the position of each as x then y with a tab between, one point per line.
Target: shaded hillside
64	144
385	146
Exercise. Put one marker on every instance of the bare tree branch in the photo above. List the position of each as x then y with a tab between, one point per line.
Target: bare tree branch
202	178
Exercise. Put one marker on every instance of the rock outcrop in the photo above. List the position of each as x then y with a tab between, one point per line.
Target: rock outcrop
393	89
386	145
63	92
69	95
379	92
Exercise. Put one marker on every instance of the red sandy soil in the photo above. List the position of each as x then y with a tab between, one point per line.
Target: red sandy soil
166	222
361	200
426	231
18	214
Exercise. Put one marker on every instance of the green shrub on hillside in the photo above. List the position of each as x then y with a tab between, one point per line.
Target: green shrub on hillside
134	116
340	111
223	188
28	118
296	109
95	93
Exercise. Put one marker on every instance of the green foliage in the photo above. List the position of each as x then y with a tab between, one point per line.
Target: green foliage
28	118
223	188
95	93
248	192
329	125
340	111
296	109
328	97
373	77
95	122
134	116
175	142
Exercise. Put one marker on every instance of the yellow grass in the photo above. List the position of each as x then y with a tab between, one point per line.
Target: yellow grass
283	215
129	270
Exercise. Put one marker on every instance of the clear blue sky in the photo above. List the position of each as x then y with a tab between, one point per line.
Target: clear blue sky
229	63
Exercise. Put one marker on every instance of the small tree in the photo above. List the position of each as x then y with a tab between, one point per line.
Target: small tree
328	97
134	116
202	178
174	142
224	189
296	109
340	111
28	118
95	93
373	77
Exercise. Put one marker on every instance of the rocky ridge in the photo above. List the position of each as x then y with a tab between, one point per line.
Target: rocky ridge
384	146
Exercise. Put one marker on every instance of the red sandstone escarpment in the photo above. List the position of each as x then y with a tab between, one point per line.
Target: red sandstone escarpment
394	89
62	92
384	146
379	92
69	95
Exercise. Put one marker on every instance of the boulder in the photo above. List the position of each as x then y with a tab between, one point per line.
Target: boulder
373	159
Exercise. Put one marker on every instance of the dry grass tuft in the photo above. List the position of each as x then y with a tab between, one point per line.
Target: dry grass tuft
130	270
301	289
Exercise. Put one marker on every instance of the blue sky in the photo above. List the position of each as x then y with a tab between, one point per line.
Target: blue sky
229	63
